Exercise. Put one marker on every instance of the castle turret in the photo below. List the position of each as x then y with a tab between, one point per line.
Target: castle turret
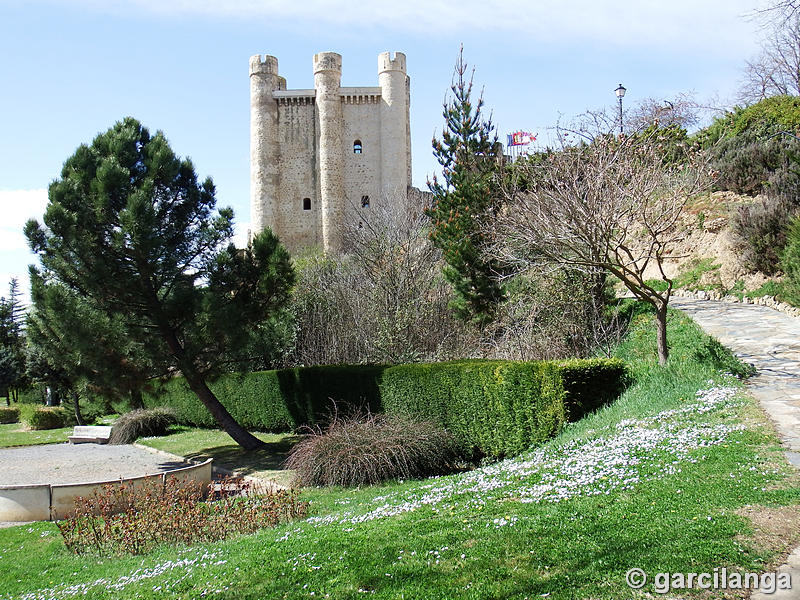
395	146
264	148
327	82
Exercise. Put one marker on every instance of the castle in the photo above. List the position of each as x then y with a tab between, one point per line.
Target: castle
319	157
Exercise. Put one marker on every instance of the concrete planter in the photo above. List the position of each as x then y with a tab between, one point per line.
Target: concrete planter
54	502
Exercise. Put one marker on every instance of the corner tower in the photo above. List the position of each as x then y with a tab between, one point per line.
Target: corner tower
395	130
330	123
264	148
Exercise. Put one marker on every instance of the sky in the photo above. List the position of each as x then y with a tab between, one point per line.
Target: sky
69	69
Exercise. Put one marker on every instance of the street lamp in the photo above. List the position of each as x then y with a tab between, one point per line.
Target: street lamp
620	92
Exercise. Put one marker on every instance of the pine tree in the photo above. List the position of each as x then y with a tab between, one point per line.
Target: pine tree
12	343
131	232
469	154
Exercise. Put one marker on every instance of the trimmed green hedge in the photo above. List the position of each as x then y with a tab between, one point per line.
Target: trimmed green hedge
9	414
50	417
494	407
277	400
592	383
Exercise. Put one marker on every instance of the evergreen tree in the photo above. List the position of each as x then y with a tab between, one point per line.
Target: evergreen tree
469	154
12	343
131	232
79	348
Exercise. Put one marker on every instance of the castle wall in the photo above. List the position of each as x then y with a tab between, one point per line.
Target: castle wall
298	168
361	108
394	123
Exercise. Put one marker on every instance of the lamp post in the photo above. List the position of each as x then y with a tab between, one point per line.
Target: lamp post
620	92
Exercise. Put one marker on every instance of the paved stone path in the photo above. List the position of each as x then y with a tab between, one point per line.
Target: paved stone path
769	340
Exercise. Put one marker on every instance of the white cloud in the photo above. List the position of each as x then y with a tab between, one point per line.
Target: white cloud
615	21
16	207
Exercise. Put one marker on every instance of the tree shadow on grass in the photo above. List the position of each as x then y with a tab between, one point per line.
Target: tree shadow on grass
243	462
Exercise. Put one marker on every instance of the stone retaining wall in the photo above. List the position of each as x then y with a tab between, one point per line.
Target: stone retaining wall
52	502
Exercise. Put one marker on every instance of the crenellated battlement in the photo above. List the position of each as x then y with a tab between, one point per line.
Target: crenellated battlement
327	61
391	61
263	64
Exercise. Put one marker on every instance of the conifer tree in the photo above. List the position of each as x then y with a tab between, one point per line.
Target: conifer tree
469	154
129	231
12	343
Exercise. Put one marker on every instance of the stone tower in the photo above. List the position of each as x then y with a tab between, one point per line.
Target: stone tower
319	158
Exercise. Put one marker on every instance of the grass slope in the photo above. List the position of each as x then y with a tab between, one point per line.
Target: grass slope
653	481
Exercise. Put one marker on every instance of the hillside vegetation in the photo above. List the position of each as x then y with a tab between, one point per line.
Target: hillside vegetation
733	240
663	479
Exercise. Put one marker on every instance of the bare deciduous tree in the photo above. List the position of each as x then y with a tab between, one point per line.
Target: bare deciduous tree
776	70
680	111
383	301
611	205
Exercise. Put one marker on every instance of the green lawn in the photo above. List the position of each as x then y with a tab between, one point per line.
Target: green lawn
655	481
266	463
18	434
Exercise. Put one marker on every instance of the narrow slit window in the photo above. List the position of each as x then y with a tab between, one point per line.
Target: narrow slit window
357	148
364	201
306	203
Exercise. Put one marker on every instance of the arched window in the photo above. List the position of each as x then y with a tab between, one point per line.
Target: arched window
357	147
364	201
306	203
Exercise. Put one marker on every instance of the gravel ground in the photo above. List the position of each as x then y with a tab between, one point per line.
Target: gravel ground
78	463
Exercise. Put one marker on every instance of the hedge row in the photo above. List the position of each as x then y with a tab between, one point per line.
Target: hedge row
277	400
494	407
50	417
9	414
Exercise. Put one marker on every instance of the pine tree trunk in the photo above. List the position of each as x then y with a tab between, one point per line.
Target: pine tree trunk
221	415
136	399
197	382
76	405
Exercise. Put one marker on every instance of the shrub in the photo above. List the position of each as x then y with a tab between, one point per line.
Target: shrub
50	417
759	231
133	518
746	158
9	414
778	113
142	423
745	164
791	263
368	449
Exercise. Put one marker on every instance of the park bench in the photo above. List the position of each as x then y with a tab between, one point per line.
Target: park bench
97	434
